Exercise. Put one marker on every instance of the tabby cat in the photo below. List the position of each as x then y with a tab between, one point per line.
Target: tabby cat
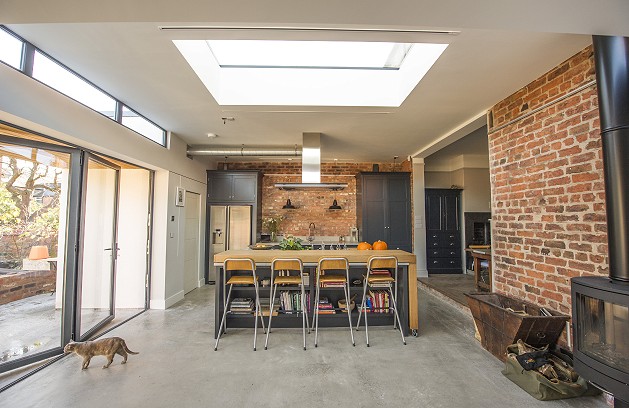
104	347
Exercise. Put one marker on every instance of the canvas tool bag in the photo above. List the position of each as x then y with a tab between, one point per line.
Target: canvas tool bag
540	387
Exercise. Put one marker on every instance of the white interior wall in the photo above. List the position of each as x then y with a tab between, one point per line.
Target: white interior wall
133	215
27	103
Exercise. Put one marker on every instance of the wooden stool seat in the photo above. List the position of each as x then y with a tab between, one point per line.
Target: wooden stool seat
332	278
241	280
380	279
287	280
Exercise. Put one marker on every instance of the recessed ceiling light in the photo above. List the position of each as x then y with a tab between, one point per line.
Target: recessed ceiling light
212	135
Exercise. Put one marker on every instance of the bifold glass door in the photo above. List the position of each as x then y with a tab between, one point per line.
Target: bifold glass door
35	191
98	249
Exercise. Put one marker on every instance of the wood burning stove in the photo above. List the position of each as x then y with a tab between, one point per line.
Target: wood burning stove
600	310
600	305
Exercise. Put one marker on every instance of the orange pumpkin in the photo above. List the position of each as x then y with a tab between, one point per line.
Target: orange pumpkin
380	245
364	246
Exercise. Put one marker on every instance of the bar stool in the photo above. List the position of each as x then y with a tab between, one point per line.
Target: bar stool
288	264
326	264
380	281
246	265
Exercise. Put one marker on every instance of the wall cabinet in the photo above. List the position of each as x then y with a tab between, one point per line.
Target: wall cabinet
443	231
384	209
226	187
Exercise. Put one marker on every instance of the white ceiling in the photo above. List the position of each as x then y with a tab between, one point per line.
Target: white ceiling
120	47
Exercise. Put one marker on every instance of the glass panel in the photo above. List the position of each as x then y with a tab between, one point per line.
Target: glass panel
56	76
98	240
141	125
33	219
604	331
10	49
308	54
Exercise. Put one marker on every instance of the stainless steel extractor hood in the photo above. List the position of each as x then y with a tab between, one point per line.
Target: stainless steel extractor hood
310	154
311	167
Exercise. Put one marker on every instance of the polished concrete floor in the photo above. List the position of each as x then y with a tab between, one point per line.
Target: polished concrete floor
33	324
177	367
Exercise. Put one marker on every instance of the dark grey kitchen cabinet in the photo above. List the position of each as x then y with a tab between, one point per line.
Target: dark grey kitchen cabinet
232	186
384	209
443	231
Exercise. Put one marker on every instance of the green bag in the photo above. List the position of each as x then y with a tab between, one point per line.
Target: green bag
539	386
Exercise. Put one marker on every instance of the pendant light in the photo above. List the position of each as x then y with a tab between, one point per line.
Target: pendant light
335	205
288	205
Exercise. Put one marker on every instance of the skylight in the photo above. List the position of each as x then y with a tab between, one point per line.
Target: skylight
308	54
309	73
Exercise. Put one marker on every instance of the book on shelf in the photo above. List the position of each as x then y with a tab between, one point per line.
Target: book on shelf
241	306
290	301
325	307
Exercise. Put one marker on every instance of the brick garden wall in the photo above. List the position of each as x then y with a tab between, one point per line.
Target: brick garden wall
548	198
312	205
25	284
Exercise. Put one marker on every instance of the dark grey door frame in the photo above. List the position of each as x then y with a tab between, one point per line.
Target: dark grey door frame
85	158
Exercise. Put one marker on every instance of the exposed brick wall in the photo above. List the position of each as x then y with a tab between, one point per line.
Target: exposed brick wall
26	284
312	205
548	197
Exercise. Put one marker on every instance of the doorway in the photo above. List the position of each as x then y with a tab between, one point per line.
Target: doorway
76	225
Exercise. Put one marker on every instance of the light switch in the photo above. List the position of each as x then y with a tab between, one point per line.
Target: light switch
172	235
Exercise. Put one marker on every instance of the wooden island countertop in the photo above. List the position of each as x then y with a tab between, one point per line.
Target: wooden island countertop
354	256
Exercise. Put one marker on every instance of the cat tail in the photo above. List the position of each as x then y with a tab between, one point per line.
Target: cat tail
127	348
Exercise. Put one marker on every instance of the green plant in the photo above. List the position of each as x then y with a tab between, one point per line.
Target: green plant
273	223
291	243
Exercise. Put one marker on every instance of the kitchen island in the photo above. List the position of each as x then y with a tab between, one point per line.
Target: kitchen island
407	284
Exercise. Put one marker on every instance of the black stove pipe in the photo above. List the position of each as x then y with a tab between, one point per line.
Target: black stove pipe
611	56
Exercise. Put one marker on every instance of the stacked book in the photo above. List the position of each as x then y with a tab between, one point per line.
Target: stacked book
377	273
242	306
325	307
334	283
265	306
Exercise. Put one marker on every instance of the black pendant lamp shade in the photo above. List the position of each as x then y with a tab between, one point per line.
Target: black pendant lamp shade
288	205
335	205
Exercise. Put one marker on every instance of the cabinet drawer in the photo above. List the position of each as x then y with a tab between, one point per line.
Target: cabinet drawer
437	263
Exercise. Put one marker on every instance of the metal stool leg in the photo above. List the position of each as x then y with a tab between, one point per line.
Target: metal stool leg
273	291
349	312
316	306
257	313
220	328
362	304
303	312
397	316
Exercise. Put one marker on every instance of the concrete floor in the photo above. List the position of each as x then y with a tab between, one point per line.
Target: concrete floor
32	324
443	367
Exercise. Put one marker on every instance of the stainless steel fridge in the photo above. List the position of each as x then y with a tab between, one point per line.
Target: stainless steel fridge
230	228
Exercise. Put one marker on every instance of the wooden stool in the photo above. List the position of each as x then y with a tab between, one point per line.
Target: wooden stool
247	265
288	264
326	264
380	281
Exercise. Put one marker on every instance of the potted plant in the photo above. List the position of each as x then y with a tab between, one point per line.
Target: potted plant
272	224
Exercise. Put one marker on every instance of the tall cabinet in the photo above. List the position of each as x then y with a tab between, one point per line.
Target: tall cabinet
443	231
384	209
241	191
